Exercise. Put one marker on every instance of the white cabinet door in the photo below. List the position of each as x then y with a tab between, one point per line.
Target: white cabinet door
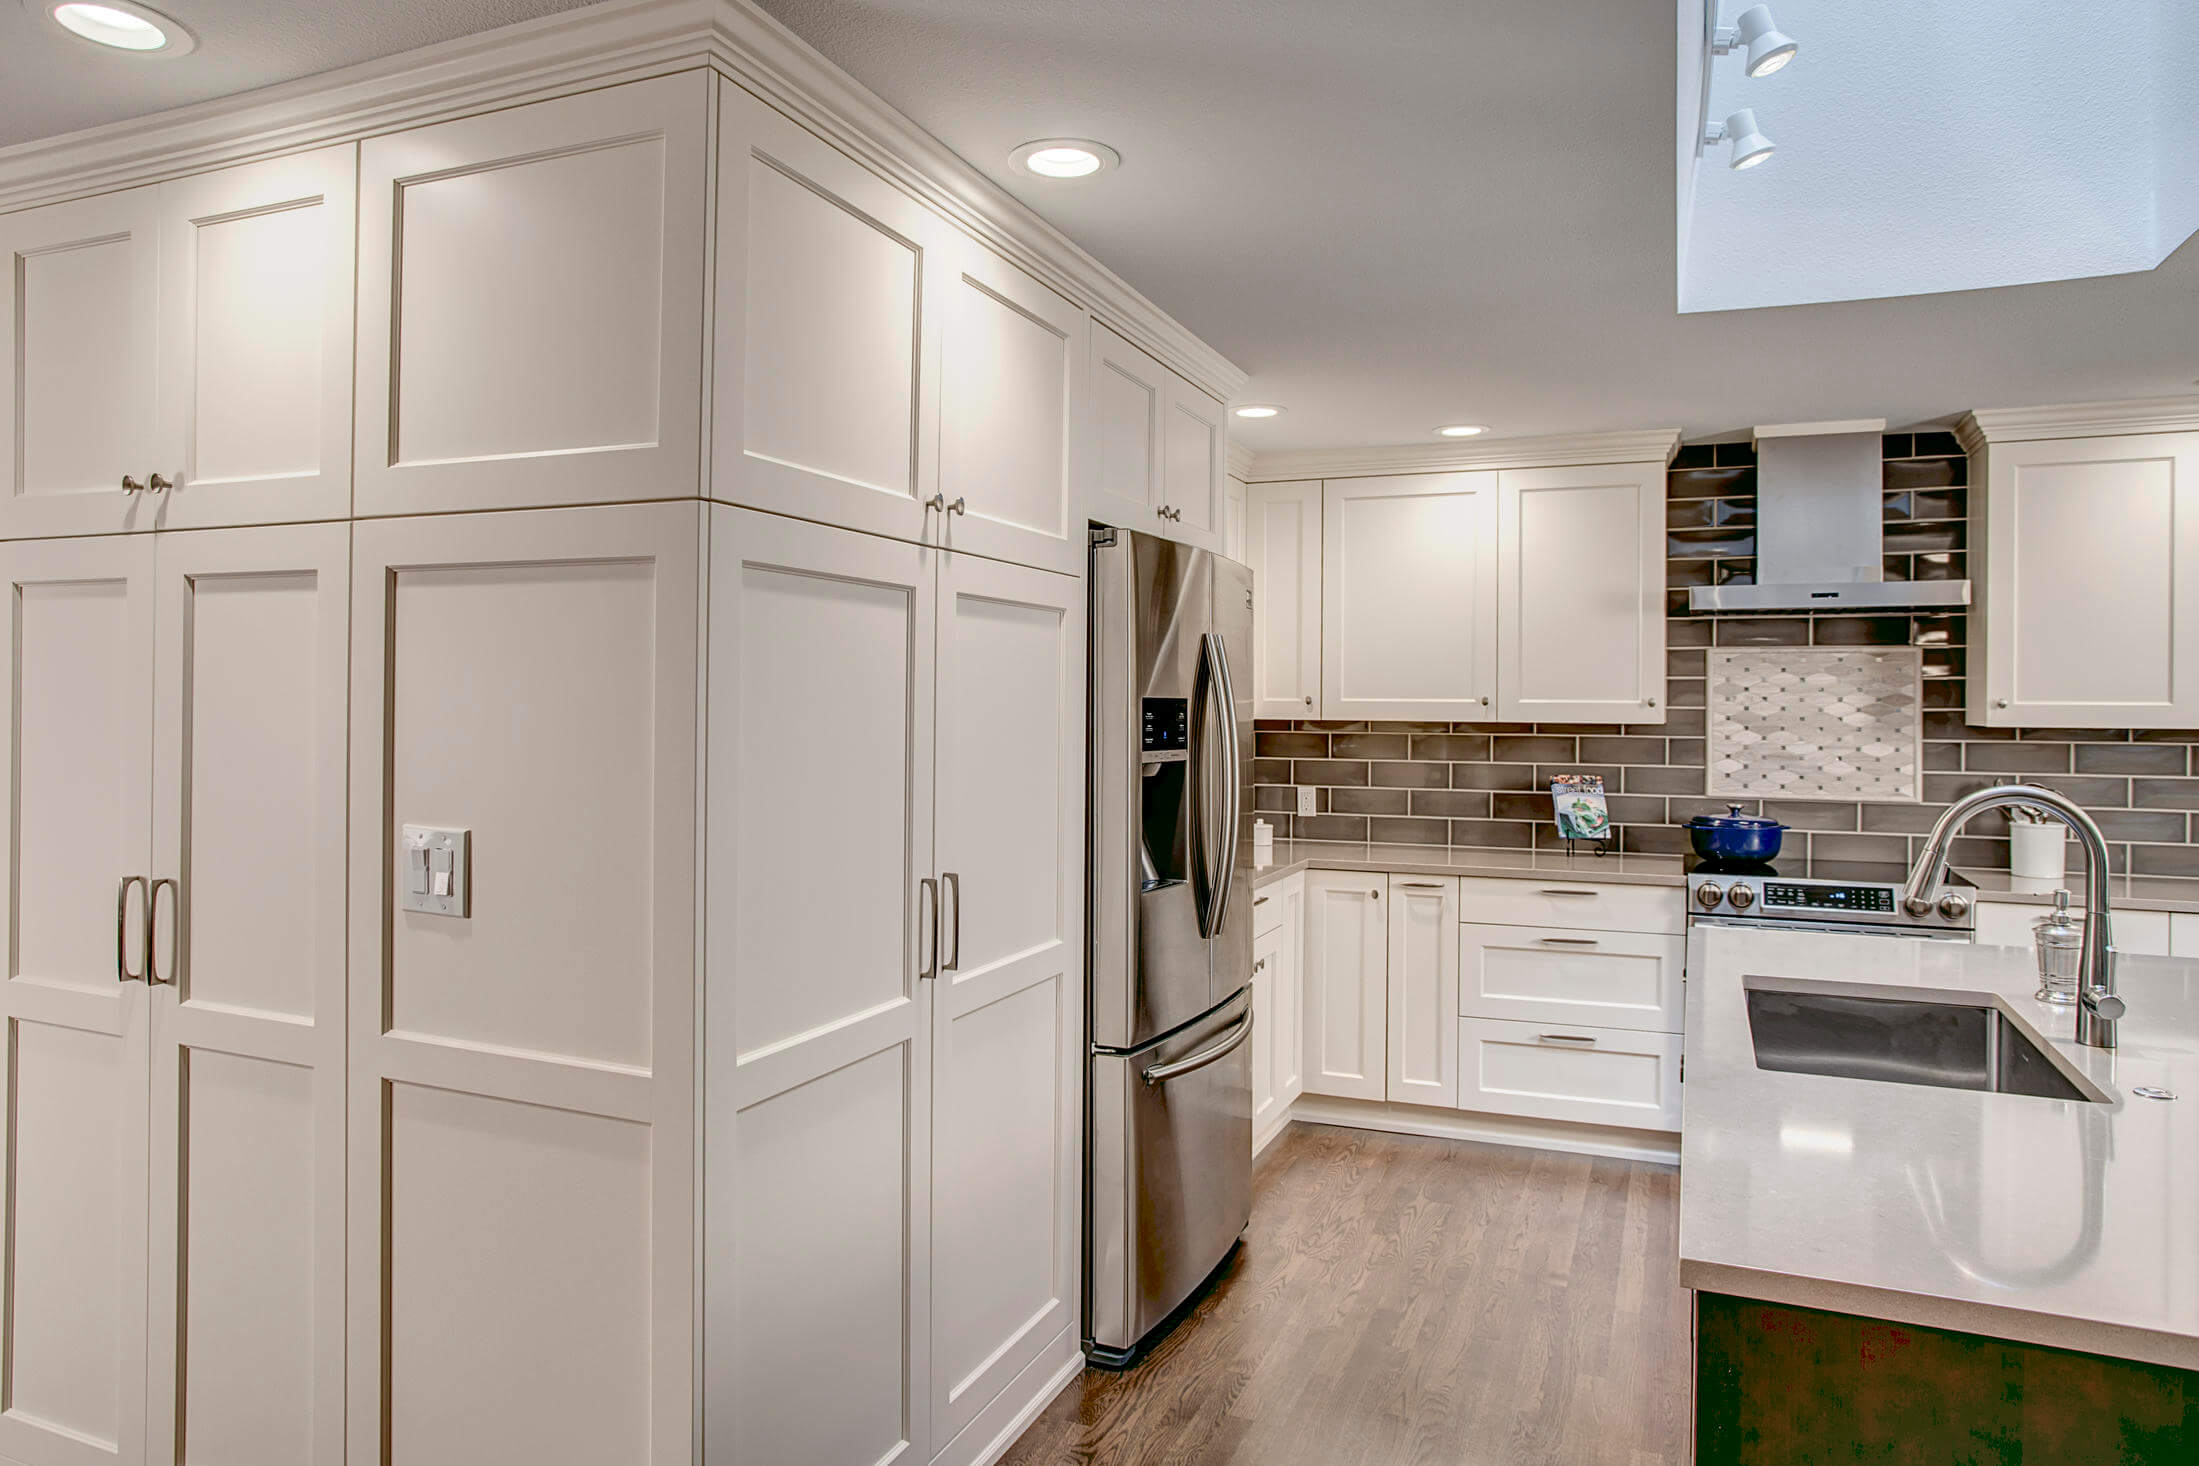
823	912
256	300
531	303
1267	974
1012	356
1409	596
1290	1053
1234	540
2089	584
79	741
522	1145
1423	997
1194	463
80	329
1283	539
1580	604
1128	388
247	1297
829	287
1346	984
1008	1006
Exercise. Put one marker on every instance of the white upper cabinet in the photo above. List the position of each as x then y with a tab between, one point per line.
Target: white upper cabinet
1011	386
2087	568
1161	451
1409	596
827	354
1580	604
1233	520
256	304
77	366
1283	546
531	304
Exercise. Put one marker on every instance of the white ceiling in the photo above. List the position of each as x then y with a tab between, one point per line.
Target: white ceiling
2048	141
1413	212
51	82
1394	214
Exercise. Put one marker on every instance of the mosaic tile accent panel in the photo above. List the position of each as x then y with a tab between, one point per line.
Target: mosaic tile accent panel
1816	722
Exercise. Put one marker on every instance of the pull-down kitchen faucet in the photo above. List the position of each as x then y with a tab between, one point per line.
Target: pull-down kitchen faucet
2097	1005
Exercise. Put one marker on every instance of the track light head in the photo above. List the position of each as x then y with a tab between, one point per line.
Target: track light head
1749	146
1768	47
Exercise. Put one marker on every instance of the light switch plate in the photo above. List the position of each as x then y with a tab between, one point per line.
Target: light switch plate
435	873
1305	799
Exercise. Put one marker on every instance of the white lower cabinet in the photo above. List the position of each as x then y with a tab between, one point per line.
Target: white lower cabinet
1346	984
1568	975
894	838
1603	1076
1278	934
175	1243
2139	933
1423	991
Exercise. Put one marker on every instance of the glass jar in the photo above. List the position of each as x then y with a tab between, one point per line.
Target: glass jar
2060	943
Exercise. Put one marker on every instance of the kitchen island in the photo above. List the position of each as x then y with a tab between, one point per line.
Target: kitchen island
1883	1267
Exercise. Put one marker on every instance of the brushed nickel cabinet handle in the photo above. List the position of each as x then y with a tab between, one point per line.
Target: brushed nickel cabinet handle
936	501
1565	891
131	485
930	969
1565	1038
952	881
158	482
1259	900
175	933
1568	941
122	930
959	506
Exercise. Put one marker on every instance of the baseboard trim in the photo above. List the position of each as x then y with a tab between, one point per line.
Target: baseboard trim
1046	1395
1654	1146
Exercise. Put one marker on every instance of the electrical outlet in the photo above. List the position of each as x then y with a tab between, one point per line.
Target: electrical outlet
1305	799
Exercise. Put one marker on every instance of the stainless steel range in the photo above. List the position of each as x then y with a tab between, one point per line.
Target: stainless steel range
1843	896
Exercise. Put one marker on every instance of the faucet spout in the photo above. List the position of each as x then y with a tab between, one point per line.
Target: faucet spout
2097	1005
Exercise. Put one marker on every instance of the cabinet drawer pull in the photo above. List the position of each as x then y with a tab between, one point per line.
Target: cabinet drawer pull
1259	900
1567	941
1565	1038
1420	886
1260	966
1567	891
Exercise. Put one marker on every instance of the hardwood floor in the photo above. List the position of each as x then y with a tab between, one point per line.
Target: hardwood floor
1401	1300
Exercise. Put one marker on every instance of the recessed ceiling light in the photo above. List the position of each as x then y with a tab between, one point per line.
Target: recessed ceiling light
122	25
1461	430
1258	409
1066	157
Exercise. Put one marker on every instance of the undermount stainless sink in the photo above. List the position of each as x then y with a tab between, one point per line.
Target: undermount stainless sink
1903	1041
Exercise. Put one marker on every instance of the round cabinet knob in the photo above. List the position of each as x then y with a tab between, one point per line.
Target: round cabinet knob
1742	898
2106	1005
1309	702
1954	907
1485	702
158	482
1709	893
2000	702
1374	895
1652	702
131	485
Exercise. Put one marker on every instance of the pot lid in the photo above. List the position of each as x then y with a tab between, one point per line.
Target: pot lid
1732	819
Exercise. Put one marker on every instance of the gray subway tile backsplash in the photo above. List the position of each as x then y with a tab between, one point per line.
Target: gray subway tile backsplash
1487	784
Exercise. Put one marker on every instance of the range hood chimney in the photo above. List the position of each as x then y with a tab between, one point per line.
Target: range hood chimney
1820	536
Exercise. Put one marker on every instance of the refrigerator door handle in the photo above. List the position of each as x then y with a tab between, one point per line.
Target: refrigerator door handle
1162	1073
1214	683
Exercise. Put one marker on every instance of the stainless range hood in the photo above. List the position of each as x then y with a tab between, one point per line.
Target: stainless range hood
1820	536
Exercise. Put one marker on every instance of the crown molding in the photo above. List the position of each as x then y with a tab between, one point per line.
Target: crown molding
1241	460
2077	420
602	45
1563	451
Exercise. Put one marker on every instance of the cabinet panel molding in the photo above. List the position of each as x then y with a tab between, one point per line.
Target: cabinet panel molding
1283	529
1409	597
1346	984
1580	572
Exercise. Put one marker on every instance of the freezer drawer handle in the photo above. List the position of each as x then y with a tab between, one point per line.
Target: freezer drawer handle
1566	1038
1162	1073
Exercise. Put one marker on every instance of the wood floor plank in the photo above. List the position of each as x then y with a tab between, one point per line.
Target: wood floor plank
1404	1300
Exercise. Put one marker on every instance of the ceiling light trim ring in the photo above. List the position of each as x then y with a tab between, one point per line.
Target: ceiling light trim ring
1257	411
118	26
1462	430
1075	157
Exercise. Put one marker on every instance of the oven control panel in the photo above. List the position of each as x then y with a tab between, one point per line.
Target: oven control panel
1763	900
1795	895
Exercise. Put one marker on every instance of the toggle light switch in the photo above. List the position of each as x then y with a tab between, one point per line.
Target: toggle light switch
437	864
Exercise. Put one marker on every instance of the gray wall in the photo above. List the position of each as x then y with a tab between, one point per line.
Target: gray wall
1487	784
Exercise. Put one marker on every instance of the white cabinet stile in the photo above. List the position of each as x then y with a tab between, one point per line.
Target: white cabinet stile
1580	576
531	304
2086	555
522	1083
1283	540
1346	984
1423	991
1409	597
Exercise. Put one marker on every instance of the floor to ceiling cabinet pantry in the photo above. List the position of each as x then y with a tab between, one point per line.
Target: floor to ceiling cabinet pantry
895	826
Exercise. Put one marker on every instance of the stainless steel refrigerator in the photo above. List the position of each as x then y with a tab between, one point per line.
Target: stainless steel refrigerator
1168	1092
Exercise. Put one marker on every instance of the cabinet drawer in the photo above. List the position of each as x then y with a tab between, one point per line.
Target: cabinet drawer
1558	902
1604	1076
1267	910
1554	975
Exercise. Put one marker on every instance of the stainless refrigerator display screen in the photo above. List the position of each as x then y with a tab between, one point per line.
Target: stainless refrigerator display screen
1167	724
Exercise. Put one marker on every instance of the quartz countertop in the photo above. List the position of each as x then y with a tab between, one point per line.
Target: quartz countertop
2063	1223
2124	893
1292	856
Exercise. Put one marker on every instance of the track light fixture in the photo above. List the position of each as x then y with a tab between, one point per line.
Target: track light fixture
1768	47
1750	147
